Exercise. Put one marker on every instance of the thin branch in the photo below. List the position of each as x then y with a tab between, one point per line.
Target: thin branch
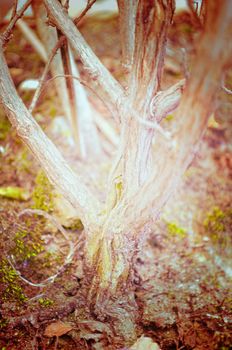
145	123
33	39
14	9
83	13
101	123
43	77
7	33
92	64
64	50
53	52
195	17
81	81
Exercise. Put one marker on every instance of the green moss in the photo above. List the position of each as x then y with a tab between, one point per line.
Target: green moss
9	279
42	194
45	302
214	221
4	127
217	223
24	250
175	231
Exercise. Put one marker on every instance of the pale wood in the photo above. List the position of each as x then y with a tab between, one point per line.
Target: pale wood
88	135
127	24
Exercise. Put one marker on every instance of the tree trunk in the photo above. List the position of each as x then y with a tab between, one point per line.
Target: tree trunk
113	232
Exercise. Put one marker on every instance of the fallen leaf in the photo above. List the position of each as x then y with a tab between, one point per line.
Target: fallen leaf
14	193
56	329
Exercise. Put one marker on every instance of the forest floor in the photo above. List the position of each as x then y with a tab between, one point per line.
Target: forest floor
183	274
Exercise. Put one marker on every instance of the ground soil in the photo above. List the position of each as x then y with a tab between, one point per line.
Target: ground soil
182	275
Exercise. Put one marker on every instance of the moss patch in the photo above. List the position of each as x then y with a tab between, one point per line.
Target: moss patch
9	279
4	126
23	249
45	302
175	231
42	195
217	224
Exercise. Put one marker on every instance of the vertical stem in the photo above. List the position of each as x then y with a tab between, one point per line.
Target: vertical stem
70	87
127	22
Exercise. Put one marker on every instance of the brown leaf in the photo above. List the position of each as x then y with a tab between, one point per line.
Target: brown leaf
57	329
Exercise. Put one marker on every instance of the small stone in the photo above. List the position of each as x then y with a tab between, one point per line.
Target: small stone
145	343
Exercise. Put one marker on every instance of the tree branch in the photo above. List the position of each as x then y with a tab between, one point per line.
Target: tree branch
152	22
127	23
60	174
6	35
112	89
49	38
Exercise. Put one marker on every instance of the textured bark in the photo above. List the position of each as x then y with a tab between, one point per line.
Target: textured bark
196	105
153	19
127	23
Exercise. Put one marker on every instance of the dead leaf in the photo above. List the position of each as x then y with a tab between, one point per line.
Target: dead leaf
13	192
57	329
